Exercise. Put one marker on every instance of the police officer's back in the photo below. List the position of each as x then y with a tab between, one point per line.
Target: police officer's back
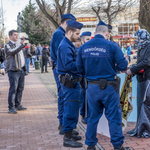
98	61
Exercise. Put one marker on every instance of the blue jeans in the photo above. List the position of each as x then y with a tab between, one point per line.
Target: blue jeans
71	107
3	65
16	81
98	100
60	98
129	58
27	63
33	60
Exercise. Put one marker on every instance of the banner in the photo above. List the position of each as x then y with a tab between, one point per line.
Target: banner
86	19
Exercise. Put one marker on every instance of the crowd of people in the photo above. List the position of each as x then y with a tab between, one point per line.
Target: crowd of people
85	71
32	53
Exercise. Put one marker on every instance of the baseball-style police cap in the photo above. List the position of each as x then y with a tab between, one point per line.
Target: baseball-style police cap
86	34
102	23
74	24
68	16
109	27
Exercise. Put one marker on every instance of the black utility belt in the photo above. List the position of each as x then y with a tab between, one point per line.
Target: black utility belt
103	83
68	81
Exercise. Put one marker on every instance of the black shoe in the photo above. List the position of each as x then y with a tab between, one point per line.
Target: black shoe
91	148
70	142
12	111
19	108
83	120
61	130
59	127
123	148
75	132
76	137
131	132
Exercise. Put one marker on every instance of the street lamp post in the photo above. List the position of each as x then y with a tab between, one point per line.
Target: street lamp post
3	21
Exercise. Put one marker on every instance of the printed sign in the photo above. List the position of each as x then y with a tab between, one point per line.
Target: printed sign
86	19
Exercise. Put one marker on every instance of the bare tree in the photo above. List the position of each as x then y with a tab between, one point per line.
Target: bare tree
55	9
144	14
109	9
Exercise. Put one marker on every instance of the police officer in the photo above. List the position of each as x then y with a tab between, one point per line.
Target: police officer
98	60
85	37
55	41
109	30
69	78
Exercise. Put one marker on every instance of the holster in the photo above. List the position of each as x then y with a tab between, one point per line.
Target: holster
115	84
66	80
53	65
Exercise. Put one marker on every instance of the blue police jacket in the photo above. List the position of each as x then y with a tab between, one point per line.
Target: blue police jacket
100	58
66	58
55	41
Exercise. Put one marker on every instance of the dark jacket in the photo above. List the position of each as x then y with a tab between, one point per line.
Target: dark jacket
143	62
26	52
12	58
45	53
2	55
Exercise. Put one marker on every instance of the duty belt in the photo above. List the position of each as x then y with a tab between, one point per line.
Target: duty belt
103	83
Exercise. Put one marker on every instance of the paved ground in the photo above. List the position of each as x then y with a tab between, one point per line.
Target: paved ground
36	128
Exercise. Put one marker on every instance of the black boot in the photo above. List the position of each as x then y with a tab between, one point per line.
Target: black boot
75	132
59	127
91	148
123	148
76	137
70	142
61	130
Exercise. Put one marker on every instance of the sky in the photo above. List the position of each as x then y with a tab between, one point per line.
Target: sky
11	9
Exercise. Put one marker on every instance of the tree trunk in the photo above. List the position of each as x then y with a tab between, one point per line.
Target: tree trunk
43	9
144	14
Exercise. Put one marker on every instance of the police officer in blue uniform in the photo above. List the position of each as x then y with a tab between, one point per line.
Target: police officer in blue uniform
85	37
55	41
69	79
98	61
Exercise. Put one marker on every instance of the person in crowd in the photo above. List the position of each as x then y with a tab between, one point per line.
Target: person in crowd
1	56
39	51
57	37
33	53
78	44
123	49
3	64
98	61
129	52
85	37
27	55
142	70
16	68
69	79
110	38
49	58
45	55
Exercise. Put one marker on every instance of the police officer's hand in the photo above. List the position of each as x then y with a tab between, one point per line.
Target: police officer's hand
128	72
22	40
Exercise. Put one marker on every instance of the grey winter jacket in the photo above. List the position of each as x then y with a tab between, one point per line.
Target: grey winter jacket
12	57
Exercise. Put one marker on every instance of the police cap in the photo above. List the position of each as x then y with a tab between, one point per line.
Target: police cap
74	24
109	27
68	16
102	23
86	34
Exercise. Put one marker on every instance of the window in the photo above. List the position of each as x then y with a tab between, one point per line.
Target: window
128	28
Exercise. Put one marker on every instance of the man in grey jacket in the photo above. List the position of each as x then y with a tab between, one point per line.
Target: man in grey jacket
16	68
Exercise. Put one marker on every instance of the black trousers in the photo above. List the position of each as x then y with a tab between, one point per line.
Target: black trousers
16	81
44	63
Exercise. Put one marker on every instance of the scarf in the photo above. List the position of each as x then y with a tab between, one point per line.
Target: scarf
143	38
